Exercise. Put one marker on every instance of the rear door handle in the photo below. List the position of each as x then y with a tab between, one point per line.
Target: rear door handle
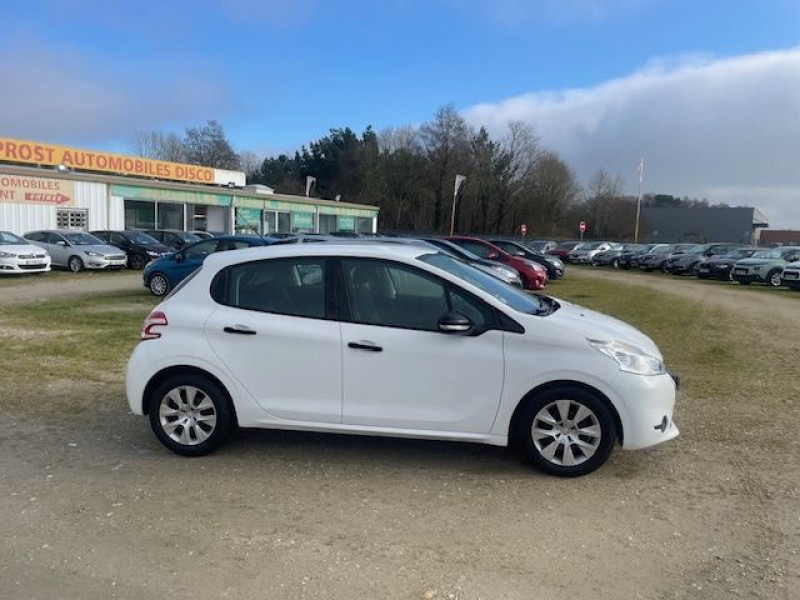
369	346
240	329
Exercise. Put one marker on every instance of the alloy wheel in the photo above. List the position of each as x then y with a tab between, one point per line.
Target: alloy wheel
187	415
566	433
158	285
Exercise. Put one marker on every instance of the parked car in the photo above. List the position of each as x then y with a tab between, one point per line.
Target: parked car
206	235
765	267
552	264
563	249
163	274
721	267
468	357
174	238
139	247
656	258
790	276
77	250
611	256
583	253
534	276
503	272
20	256
629	259
542	246
688	262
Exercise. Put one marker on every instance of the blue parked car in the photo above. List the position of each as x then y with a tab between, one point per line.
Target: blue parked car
163	274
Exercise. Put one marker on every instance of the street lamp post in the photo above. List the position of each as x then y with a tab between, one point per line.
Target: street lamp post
639	202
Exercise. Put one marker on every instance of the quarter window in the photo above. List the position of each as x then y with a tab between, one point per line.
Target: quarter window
200	250
291	286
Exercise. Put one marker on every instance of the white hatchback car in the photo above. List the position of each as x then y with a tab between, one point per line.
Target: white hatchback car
393	340
17	256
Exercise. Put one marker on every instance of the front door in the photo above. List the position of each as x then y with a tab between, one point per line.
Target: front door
400	371
273	332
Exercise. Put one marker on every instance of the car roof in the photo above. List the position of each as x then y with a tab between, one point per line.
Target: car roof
345	249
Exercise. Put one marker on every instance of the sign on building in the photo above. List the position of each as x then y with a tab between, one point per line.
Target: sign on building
36	190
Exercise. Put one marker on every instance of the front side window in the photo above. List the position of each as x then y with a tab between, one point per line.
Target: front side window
394	295
287	286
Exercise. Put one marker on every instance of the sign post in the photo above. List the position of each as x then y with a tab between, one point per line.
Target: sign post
523	229
582	228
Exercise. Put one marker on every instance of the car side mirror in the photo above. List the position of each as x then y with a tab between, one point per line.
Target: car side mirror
179	256
62	243
454	322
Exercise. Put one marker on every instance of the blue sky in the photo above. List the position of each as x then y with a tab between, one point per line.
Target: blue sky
278	74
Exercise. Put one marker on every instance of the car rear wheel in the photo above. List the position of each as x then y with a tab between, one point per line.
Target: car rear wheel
774	278
75	264
158	284
190	414
567	431
137	262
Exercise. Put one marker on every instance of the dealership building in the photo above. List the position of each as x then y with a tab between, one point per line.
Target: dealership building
53	187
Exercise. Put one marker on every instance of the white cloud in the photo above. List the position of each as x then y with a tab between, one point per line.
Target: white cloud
725	129
57	94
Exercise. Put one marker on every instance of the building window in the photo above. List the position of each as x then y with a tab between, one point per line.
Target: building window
284	222
140	215
364	224
302	222
248	220
170	216
327	224
72	219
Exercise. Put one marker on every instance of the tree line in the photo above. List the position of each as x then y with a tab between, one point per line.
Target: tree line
410	172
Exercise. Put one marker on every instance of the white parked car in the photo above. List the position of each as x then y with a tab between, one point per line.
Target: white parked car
78	250
20	256
393	340
790	276
586	251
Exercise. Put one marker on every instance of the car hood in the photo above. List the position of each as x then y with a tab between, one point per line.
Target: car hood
589	324
22	249
103	249
756	262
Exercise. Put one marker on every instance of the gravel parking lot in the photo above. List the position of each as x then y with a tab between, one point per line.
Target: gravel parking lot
94	507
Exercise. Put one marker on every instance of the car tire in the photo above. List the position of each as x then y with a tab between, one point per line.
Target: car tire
158	285
75	264
582	426
774	278
190	414
137	262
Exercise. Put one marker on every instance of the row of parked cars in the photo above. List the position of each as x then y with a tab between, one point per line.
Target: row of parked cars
725	261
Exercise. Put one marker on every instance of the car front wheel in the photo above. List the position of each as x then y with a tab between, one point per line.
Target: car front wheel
158	284
567	431
137	262
774	278
190	414
75	264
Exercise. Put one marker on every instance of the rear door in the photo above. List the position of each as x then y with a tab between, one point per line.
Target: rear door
400	371
275	331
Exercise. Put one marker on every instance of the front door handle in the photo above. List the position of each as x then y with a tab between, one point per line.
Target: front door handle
240	329
369	346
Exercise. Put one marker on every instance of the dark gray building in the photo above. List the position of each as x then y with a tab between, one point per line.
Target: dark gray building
701	225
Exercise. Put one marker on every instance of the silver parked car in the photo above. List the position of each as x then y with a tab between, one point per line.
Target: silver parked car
77	250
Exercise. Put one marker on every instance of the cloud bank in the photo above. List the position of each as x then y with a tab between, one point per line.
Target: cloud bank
723	129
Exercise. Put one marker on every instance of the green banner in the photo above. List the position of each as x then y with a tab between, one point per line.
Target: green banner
134	192
302	220
346	223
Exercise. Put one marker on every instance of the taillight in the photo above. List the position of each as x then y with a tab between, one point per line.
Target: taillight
149	328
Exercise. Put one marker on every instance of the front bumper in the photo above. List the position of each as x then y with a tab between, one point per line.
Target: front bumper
100	262
645	406
747	276
15	266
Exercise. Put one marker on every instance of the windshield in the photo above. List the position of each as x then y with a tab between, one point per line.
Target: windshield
567	245
507	294
453	249
698	249
536	245
742	253
191	237
775	253
589	246
661	249
9	239
142	239
83	239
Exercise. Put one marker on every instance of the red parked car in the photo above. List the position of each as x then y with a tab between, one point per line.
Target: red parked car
534	276
563	249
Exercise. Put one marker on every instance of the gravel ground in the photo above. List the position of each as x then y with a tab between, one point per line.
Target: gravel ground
93	507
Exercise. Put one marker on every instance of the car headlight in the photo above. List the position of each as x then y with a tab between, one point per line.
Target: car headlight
90	253
756	268
7	255
630	358
152	253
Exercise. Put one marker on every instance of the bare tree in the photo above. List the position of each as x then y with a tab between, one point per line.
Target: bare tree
159	145
552	190
603	196
521	152
250	163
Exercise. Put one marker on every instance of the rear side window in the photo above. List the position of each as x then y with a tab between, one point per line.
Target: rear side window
286	286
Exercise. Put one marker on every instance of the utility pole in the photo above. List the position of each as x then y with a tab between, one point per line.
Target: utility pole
639	202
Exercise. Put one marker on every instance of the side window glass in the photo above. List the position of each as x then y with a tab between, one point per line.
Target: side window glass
479	249
291	286
116	239
394	295
35	236
200	250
